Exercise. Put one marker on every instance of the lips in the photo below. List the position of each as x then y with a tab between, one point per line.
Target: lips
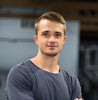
52	46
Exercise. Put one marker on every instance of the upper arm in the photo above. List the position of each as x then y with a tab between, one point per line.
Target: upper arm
76	89
73	86
18	86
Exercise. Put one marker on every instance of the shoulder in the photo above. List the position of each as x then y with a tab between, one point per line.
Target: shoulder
25	67
19	78
25	70
20	73
69	76
19	68
70	79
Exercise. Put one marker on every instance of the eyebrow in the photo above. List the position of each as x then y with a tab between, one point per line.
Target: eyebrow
55	32
45	31
58	32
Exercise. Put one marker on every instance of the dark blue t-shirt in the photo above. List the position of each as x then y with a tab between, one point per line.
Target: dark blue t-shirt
26	81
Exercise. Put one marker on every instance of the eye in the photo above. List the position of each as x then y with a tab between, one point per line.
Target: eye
45	34
57	34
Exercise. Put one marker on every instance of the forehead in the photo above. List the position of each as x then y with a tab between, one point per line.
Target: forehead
50	24
47	21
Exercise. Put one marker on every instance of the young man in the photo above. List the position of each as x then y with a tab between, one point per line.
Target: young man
41	78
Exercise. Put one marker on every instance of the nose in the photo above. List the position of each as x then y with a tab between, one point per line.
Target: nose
52	39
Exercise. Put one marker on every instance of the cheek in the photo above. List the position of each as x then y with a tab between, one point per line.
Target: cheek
63	41
41	42
61	44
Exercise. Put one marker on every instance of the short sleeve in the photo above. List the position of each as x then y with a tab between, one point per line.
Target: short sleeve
18	86
76	89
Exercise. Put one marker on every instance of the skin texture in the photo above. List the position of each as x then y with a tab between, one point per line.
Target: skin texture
50	38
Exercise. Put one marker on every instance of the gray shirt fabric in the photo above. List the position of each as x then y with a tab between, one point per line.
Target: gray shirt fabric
26	81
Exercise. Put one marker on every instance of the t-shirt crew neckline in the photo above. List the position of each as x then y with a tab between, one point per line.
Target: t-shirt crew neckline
44	70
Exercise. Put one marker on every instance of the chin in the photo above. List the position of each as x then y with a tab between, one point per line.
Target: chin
52	54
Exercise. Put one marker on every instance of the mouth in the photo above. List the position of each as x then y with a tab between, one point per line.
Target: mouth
52	46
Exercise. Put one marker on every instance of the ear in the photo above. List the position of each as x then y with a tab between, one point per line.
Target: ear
64	39
36	39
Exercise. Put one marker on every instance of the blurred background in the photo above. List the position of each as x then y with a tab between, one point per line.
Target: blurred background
80	52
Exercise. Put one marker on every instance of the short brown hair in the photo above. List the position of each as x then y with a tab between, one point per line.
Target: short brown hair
52	16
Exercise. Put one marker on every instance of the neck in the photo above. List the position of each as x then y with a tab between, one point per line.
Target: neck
47	63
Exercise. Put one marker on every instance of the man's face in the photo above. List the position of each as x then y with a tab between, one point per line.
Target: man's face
50	38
